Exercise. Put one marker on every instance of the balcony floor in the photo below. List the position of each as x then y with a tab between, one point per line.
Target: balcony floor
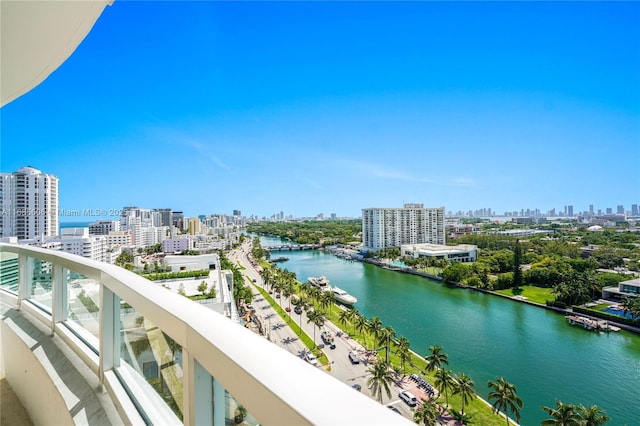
11	410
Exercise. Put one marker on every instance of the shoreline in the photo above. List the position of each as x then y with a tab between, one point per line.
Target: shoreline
561	311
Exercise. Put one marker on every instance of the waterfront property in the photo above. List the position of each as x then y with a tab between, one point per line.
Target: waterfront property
629	288
391	227
459	253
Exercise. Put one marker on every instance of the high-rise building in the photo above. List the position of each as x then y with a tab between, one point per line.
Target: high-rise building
591	209
392	227
165	217
634	210
237	213
28	204
177	219
620	210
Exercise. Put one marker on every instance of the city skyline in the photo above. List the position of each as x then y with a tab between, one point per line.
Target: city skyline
334	107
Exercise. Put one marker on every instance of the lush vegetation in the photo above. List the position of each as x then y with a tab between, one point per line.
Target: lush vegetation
324	232
176	275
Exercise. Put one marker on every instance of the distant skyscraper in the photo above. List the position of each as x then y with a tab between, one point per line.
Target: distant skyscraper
165	217
392	227
620	210
237	213
177	219
609	210
634	210
591	209
28	204
568	210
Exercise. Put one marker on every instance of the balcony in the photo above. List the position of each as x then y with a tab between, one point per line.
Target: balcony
89	342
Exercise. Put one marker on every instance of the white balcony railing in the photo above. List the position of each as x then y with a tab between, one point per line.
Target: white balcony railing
207	365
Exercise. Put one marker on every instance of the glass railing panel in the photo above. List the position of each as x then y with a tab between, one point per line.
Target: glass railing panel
9	271
235	412
84	301
40	287
153	355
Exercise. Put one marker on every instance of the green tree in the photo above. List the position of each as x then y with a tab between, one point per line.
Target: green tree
517	260
445	382
562	415
361	323
464	387
381	380
375	327
386	336
318	319
427	414
403	352
202	287
436	359
505	398
593	416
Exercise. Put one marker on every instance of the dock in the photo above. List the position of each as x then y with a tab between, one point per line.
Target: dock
591	324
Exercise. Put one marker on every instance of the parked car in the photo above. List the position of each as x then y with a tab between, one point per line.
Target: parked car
409	398
357	387
288	309
311	359
354	357
297	310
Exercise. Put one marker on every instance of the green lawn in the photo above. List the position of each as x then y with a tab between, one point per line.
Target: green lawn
534	294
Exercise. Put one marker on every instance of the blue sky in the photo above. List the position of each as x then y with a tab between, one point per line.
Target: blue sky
331	107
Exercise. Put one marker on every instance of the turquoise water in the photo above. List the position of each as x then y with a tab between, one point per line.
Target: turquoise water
487	336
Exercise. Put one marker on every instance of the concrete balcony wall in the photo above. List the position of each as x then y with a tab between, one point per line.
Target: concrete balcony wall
218	355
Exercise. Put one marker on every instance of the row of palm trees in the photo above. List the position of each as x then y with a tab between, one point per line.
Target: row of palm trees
503	396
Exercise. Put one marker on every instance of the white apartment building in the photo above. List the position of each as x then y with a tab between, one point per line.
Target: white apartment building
393	227
144	225
75	241
28	204
119	238
459	253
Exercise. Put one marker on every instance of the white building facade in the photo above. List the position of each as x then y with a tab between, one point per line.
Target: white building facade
459	253
28	204
392	227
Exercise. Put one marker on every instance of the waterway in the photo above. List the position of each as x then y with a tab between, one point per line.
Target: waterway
487	337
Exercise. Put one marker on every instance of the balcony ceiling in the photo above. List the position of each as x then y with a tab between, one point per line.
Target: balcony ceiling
37	37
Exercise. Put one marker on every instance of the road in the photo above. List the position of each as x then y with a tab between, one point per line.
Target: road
282	335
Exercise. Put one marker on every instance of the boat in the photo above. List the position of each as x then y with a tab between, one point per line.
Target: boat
321	282
343	297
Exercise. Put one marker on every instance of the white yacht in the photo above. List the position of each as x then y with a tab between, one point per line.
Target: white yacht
321	282
343	297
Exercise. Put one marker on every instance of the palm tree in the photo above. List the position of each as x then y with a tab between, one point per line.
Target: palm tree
375	327
299	302
326	299
402	350
464	387
353	313
445	382
562	415
427	414
386	335
318	319
593	416
361	322
506	398
436	359
381	379
343	317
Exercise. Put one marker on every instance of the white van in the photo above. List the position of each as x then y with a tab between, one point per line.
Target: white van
409	398
354	357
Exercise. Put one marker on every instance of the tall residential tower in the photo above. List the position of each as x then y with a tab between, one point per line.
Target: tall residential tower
28	204
392	227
